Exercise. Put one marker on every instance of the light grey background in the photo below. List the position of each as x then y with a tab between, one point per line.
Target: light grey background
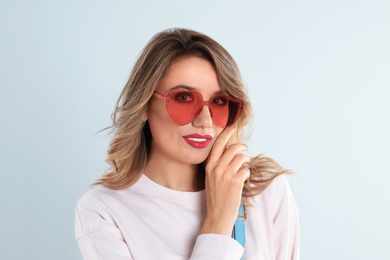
317	73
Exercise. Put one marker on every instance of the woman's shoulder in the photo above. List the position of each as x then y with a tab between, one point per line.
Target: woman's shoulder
279	184
95	211
100	207
95	201
97	194
277	194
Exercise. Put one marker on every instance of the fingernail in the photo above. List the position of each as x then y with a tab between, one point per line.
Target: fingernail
234	125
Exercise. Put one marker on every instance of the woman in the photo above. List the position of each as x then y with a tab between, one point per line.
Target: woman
177	131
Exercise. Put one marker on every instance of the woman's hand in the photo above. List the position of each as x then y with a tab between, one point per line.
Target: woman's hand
224	183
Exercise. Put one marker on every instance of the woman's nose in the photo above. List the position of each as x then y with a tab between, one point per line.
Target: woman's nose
204	119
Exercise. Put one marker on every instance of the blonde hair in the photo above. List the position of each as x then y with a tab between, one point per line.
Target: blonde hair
130	145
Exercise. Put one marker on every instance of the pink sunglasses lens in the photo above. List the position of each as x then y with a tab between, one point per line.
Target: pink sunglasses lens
183	106
225	110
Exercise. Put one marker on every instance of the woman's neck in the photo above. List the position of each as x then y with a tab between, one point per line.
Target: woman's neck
174	174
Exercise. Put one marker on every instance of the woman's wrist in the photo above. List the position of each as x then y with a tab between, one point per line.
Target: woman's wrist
217	226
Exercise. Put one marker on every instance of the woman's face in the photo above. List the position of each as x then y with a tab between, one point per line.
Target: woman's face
182	143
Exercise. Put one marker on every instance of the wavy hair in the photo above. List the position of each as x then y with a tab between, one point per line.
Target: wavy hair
130	145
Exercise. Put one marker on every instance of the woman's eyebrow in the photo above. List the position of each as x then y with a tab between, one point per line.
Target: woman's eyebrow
186	87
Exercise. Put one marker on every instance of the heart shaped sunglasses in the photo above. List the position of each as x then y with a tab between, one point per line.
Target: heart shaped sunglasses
184	105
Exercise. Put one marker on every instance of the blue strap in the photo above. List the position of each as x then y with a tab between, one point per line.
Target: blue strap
239	226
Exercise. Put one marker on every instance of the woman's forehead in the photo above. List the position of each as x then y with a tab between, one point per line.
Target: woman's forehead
193	73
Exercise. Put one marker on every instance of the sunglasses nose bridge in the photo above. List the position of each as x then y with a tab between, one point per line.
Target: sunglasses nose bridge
201	107
206	103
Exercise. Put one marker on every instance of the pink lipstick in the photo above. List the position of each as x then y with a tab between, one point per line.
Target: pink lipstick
198	140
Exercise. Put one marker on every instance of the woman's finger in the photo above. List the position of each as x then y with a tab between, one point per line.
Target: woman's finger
244	174
220	143
230	153
238	161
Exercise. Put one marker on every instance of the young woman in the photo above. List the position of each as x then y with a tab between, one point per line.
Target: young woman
178	170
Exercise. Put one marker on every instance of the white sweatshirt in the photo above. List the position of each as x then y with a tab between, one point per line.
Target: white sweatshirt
148	221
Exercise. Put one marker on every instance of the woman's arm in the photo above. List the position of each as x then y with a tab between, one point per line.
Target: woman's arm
106	243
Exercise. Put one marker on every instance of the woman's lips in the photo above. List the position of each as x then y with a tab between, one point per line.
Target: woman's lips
198	140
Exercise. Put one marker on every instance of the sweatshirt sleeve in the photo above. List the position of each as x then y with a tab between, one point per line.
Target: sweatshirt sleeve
286	222
216	247
97	238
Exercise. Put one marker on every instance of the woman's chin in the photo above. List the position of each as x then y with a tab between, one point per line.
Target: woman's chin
196	159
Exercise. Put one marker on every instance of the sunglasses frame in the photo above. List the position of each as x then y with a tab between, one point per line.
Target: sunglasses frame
204	103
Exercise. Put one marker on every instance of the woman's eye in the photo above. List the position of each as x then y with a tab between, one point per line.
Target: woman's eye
183	97
220	101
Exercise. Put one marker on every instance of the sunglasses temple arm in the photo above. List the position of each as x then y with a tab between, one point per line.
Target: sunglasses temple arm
159	96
